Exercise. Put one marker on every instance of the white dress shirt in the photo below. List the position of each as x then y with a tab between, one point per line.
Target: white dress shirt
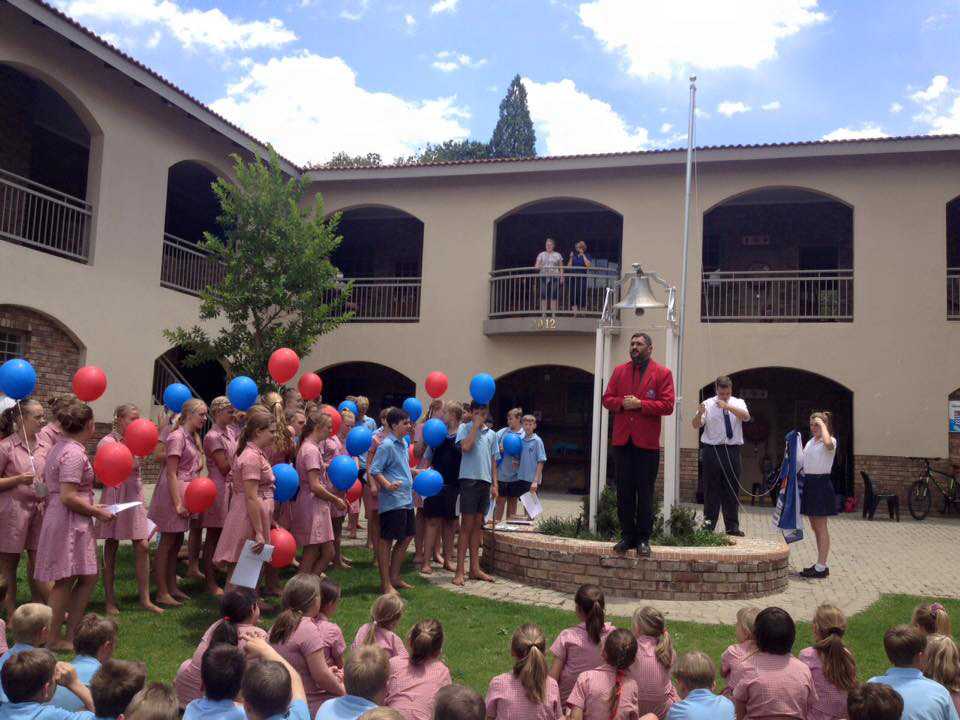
714	429
817	458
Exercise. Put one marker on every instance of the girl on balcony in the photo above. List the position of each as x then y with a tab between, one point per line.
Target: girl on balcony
550	264
578	285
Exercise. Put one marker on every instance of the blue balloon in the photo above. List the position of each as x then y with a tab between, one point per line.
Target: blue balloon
428	483
359	440
17	378
242	392
512	444
342	472
175	396
413	408
434	432
349	405
286	482
482	388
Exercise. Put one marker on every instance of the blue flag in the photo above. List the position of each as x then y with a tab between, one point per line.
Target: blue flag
786	516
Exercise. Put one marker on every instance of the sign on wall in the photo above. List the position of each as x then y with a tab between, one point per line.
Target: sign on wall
955	416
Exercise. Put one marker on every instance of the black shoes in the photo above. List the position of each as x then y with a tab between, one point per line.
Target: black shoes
643	548
736	533
812	572
622	547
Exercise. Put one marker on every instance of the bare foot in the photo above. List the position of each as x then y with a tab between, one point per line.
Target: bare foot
401	585
418	559
426	570
388	590
180	595
480	575
113	610
196	573
450	567
150	607
168	600
438	559
458	580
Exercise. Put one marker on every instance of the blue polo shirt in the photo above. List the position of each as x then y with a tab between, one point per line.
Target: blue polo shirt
702	704
204	708
923	699
508	465
38	711
477	464
86	666
392	462
533	454
298	711
14	649
345	707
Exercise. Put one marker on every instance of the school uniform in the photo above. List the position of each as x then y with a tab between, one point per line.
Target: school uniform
298	710
508	467
311	636
251	465
592	692
14	649
701	704
3	637
775	686
21	513
817	496
206	709
412	689
86	667
578	653
181	445
385	639
533	454
130	524
722	438
445	459
923	699
731	664
507	700
38	711
347	707
831	701
655	691
476	469
397	521
312	522
331	448
219	438
187	681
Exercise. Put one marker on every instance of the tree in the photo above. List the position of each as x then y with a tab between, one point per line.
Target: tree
514	135
343	159
279	287
448	151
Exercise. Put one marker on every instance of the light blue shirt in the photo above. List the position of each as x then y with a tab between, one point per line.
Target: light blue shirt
345	707
86	666
508	465
370	424
923	699
702	704
477	464
204	708
298	711
533	454
392	462
14	649
37	711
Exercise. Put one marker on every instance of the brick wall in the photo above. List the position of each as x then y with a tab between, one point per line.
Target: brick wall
53	353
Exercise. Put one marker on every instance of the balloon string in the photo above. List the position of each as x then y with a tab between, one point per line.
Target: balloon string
29	451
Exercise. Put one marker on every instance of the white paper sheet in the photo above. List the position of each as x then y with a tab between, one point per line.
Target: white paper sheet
120	507
531	504
509	527
151	528
489	516
247	570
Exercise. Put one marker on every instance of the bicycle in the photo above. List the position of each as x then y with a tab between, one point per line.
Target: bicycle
920	497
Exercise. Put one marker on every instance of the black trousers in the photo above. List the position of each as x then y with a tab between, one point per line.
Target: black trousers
721	485
636	470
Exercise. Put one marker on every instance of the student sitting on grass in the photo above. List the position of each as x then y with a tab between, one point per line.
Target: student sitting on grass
732	659
29	627
932	619
874	701
155	702
415	680
943	665
114	686
696	677
832	666
528	692
272	689
385	614
221	671
655	658
608	692
456	702
29	679
365	676
580	648
95	639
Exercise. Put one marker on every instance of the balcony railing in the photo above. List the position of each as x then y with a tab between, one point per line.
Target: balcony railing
778	295
41	217
953	293
383	299
186	268
519	292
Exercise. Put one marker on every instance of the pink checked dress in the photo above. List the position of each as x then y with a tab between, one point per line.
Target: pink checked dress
592	691
575	648
179	444
68	543
775	686
282	512
831	701
731	663
47	437
251	465
187	682
388	640
654	687
21	512
130	524
412	689
328	451
311	514
313	635
219	438
507	700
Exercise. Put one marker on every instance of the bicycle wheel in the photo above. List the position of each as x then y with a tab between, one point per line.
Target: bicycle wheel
919	499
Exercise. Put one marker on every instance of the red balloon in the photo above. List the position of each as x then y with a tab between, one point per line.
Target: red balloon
310	386
89	383
200	495
436	384
414	461
284	547
335	418
141	437
113	463
283	365
354	493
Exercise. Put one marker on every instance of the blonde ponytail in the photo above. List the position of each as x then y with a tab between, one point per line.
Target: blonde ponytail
529	646
650	621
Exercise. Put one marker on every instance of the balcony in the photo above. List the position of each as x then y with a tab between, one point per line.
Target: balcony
187	269
777	296
953	293
382	299
517	305
43	218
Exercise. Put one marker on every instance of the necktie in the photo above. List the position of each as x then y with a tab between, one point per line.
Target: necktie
727	424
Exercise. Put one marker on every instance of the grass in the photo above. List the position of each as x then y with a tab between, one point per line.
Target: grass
477	630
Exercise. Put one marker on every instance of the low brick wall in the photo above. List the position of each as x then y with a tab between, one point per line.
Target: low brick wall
751	568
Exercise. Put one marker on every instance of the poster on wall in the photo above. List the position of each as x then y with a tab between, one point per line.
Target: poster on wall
955	416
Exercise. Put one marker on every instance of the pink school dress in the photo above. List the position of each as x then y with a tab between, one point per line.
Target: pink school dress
250	465
181	445
575	648
47	437
218	438
831	702
21	511
328	451
507	700
130	524
313	635
592	691
412	689
282	512
655	691
187	682
311	514
731	663
388	640
68	543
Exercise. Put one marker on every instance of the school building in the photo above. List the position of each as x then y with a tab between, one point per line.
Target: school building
822	275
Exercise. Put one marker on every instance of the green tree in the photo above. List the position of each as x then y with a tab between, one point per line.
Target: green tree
448	151
279	288
514	135
343	159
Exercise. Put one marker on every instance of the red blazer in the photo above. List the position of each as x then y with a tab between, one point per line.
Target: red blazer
655	391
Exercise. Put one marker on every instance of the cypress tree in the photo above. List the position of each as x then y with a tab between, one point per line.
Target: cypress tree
514	135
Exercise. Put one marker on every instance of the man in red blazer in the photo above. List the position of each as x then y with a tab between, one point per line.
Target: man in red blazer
639	393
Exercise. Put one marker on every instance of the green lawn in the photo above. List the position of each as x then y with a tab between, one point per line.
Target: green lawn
478	631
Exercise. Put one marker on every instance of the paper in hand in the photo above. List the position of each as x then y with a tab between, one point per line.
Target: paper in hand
120	507
247	570
151	528
531	504
489	516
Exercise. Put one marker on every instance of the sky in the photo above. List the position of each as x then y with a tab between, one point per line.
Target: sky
314	77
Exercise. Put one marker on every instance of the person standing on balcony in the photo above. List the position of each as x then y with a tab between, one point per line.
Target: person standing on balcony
639	393
578	284
550	264
722	418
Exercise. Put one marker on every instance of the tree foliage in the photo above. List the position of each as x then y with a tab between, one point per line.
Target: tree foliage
344	159
279	286
514	135
448	151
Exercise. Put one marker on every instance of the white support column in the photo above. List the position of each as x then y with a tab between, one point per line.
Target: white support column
604	415
595	443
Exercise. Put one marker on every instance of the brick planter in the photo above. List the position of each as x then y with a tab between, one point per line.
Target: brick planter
751	568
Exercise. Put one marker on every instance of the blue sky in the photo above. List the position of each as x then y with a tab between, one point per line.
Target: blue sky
317	76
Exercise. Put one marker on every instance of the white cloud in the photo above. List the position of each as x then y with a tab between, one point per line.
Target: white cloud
570	122
701	113
273	101
410	20
867	130
729	109
361	10
934	22
447	62
938	85
445	66
895	107
939	106
154	40
207	28
664	39
665	128
443	6
772	105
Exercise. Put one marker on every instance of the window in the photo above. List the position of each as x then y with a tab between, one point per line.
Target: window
11	345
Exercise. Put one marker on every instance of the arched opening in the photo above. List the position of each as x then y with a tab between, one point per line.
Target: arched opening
206	381
192	209
518	288
383	386
382	252
779	400
561	398
44	161
778	254
51	347
953	259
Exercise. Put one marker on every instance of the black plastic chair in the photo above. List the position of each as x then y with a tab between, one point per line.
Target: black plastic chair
872	499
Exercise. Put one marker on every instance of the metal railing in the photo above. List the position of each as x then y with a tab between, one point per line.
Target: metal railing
777	295
518	292
166	373
382	299
41	217
186	268
953	293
